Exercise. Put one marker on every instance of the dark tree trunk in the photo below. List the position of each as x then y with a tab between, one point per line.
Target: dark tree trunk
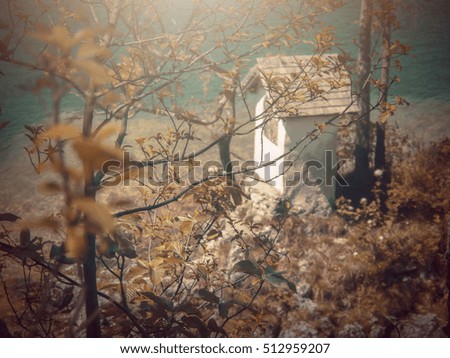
224	151
361	183
89	264
90	285
224	144
380	147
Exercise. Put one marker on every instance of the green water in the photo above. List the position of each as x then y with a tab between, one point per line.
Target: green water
425	79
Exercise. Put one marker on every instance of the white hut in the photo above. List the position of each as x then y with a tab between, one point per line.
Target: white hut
298	95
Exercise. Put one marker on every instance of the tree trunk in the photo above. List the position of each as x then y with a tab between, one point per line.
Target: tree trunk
90	284
224	144
380	148
225	156
93	329
89	265
363	71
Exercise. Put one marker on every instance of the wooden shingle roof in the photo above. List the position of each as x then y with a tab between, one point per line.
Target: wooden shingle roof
306	85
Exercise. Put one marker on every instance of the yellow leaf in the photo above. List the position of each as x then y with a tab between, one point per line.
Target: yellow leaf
401	101
110	98
186	226
156	275
108	286
140	140
86	34
321	127
384	117
49	222
75	242
178	248
96	213
165	93
173	260
95	71
91	50
95	154
60	131
143	263
202	270
214	234
107	131
156	262
50	187
57	36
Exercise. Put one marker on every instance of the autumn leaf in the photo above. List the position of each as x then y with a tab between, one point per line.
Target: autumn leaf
92	51
156	274
140	140
50	187
57	36
60	131
87	34
173	260
401	101
321	127
208	296
189	309
160	301
106	246
8	217
58	253
235	193
213	326
213	234
123	238
197	323
185	225
107	131
108	286
44	222
75	243
277	278
248	267
96	214
94	153
224	308
95	71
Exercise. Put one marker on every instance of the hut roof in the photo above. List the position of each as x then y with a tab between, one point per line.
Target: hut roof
306	85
